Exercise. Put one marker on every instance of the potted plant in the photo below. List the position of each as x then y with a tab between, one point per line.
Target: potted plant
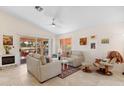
7	49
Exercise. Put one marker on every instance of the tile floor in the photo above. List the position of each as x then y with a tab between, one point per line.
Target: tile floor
18	76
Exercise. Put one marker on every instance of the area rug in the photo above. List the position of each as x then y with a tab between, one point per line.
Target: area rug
68	72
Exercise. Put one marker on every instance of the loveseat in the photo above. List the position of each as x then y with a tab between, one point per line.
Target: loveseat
76	58
42	71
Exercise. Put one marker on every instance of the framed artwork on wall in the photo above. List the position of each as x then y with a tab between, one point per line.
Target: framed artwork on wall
7	40
105	41
93	36
93	45
83	41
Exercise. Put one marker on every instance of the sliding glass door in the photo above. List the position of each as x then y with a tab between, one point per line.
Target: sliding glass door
33	45
65	45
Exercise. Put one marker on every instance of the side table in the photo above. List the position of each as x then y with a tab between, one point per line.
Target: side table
64	64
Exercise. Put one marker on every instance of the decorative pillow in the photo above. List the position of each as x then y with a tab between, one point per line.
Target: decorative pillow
70	59
69	54
43	60
48	60
30	54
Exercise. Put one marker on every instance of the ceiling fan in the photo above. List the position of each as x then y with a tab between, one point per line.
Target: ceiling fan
53	23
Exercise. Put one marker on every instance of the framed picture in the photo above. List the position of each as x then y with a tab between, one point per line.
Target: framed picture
7	40
93	45
105	41
83	41
93	37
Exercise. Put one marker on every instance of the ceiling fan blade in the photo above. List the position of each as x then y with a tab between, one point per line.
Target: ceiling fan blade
58	17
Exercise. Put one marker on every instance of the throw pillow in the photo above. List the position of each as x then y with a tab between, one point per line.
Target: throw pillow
43	60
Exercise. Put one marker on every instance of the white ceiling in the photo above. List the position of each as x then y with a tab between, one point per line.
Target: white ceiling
68	18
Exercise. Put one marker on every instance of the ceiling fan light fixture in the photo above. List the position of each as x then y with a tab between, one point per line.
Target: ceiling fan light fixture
53	25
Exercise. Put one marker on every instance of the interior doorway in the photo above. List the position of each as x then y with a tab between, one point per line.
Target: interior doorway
33	45
27	45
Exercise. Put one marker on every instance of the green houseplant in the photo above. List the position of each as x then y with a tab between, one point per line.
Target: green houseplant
7	49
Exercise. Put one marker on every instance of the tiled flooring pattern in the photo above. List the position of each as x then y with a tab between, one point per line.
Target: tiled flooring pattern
18	76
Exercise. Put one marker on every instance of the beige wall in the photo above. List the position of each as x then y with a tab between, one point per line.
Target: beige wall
114	32
11	25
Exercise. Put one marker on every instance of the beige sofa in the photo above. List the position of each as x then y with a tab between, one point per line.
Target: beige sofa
42	72
76	58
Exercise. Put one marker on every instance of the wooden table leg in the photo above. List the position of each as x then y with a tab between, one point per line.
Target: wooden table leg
106	69
107	72
122	73
66	66
87	69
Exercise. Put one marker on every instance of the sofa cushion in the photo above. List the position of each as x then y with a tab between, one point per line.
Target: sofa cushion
70	59
74	56
37	56
77	53
42	59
